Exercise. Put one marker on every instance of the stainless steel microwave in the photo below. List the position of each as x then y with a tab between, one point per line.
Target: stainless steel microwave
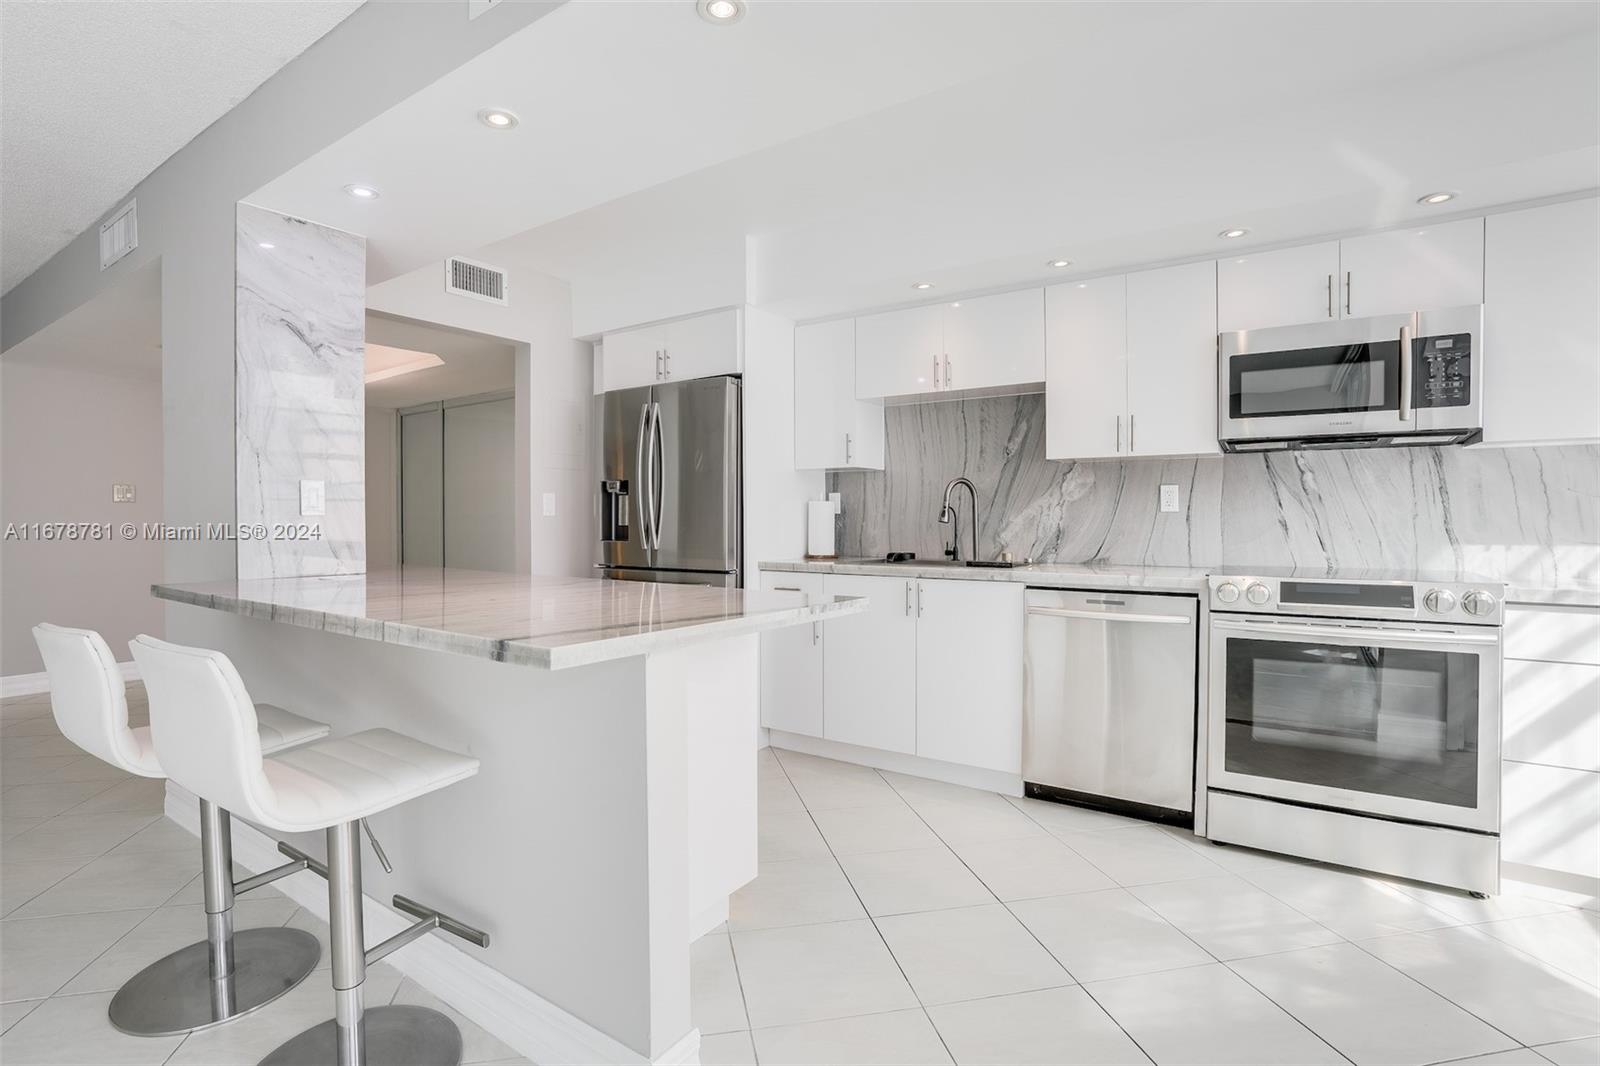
1393	380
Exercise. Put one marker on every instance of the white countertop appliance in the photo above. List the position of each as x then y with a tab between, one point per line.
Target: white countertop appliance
1413	379
1355	719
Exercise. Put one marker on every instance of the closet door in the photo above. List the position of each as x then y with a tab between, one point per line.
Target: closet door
479	486
422	488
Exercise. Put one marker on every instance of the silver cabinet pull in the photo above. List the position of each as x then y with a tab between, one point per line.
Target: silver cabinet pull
1406	360
1347	292
658	364
666	363
816	633
1130	434
919	599
847	456
1330	295
947	370
1119	434
936	372
785	588
908	599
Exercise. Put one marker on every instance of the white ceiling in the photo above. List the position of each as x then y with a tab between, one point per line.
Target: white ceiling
118	333
473	363
97	95
862	147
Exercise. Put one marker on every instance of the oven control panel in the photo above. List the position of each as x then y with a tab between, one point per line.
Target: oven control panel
1477	602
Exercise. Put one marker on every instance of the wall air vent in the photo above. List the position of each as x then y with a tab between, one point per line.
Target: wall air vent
477	280
119	234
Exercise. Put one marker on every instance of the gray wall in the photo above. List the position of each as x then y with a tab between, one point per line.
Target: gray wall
1531	515
386	51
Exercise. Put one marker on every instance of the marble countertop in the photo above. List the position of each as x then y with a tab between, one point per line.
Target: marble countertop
531	620
1053	575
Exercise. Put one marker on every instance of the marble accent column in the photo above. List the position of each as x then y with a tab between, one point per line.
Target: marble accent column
299	393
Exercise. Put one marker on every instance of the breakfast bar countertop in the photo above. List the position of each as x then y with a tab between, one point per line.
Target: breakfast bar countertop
526	619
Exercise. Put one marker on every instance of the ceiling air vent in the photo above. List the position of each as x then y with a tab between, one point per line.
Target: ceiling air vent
477	280
119	234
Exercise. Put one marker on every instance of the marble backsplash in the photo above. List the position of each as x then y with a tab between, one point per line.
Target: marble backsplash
299	391
1528	515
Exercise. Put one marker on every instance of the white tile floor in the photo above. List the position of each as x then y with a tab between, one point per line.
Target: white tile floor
95	885
895	920
898	920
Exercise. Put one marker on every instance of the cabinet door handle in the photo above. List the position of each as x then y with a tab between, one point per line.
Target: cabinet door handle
1130	434
1347	292
936	372
666	363
1119	434
847	456
947	370
919	599
785	588
816	632
908	599
658	364
1330	295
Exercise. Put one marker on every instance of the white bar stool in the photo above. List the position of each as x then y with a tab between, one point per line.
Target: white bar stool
229	973
203	724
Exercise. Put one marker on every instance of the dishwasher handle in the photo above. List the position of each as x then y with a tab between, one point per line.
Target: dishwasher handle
1111	616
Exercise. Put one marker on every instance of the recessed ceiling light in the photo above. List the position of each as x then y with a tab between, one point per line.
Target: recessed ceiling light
1059	263
721	12
922	285
1230	234
362	192
498	118
268	245
956	304
1436	198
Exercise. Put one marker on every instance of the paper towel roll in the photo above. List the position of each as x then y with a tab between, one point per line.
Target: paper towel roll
819	529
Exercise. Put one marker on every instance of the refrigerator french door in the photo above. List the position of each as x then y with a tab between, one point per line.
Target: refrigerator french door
1398	721
670	502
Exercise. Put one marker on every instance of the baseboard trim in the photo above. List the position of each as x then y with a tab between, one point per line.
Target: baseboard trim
897	762
33	684
526	1021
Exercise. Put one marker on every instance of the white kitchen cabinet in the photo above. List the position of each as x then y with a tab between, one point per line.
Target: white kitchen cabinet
899	353
1419	268
869	668
699	347
791	664
1542	306
1281	288
994	341
1172	361
832	429
1552	714
1086	369
1547	820
969	673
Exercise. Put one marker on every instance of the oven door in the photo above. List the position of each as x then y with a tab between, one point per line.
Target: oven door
1394	374
1396	720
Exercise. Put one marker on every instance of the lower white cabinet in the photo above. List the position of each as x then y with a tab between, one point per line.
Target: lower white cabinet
791	664
969	673
869	666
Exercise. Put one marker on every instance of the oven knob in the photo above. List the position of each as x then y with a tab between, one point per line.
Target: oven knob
1439	601
1228	592
1258	593
1478	603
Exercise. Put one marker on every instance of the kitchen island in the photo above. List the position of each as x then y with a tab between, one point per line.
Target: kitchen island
614	811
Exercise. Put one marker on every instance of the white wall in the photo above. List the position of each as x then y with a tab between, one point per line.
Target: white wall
383	495
775	493
66	435
553	378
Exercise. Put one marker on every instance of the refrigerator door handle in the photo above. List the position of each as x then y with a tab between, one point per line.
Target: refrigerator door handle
643	474
658	454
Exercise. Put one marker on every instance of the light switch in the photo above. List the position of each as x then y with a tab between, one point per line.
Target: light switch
1169	498
121	493
549	504
313	497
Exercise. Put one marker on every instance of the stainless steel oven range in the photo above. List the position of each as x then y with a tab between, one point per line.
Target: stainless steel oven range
1355	719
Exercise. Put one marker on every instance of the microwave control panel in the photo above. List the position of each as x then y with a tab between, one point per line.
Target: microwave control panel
1443	371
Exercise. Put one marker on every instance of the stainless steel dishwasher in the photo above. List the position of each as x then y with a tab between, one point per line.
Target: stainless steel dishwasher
1109	707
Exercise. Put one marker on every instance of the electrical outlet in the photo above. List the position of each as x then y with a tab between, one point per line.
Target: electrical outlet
1169	498
549	505
313	497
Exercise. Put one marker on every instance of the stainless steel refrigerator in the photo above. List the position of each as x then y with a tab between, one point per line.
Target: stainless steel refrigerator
671	506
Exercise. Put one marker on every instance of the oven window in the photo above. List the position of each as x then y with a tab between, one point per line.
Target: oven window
1386	721
1314	381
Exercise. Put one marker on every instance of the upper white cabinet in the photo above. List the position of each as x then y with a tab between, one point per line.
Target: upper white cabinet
699	347
832	429
987	342
1541	319
1172	361
1086	369
791	664
1281	288
869	666
1413	269
899	353
1131	365
994	341
969	673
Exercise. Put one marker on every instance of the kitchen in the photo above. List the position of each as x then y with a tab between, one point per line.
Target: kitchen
1115	620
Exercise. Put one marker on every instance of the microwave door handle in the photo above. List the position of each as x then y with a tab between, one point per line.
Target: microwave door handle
1377	636
1407	331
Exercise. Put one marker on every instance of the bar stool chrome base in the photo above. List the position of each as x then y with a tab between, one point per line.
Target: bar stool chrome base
177	995
394	1036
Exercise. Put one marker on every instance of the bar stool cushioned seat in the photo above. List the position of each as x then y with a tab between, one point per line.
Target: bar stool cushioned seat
228	974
